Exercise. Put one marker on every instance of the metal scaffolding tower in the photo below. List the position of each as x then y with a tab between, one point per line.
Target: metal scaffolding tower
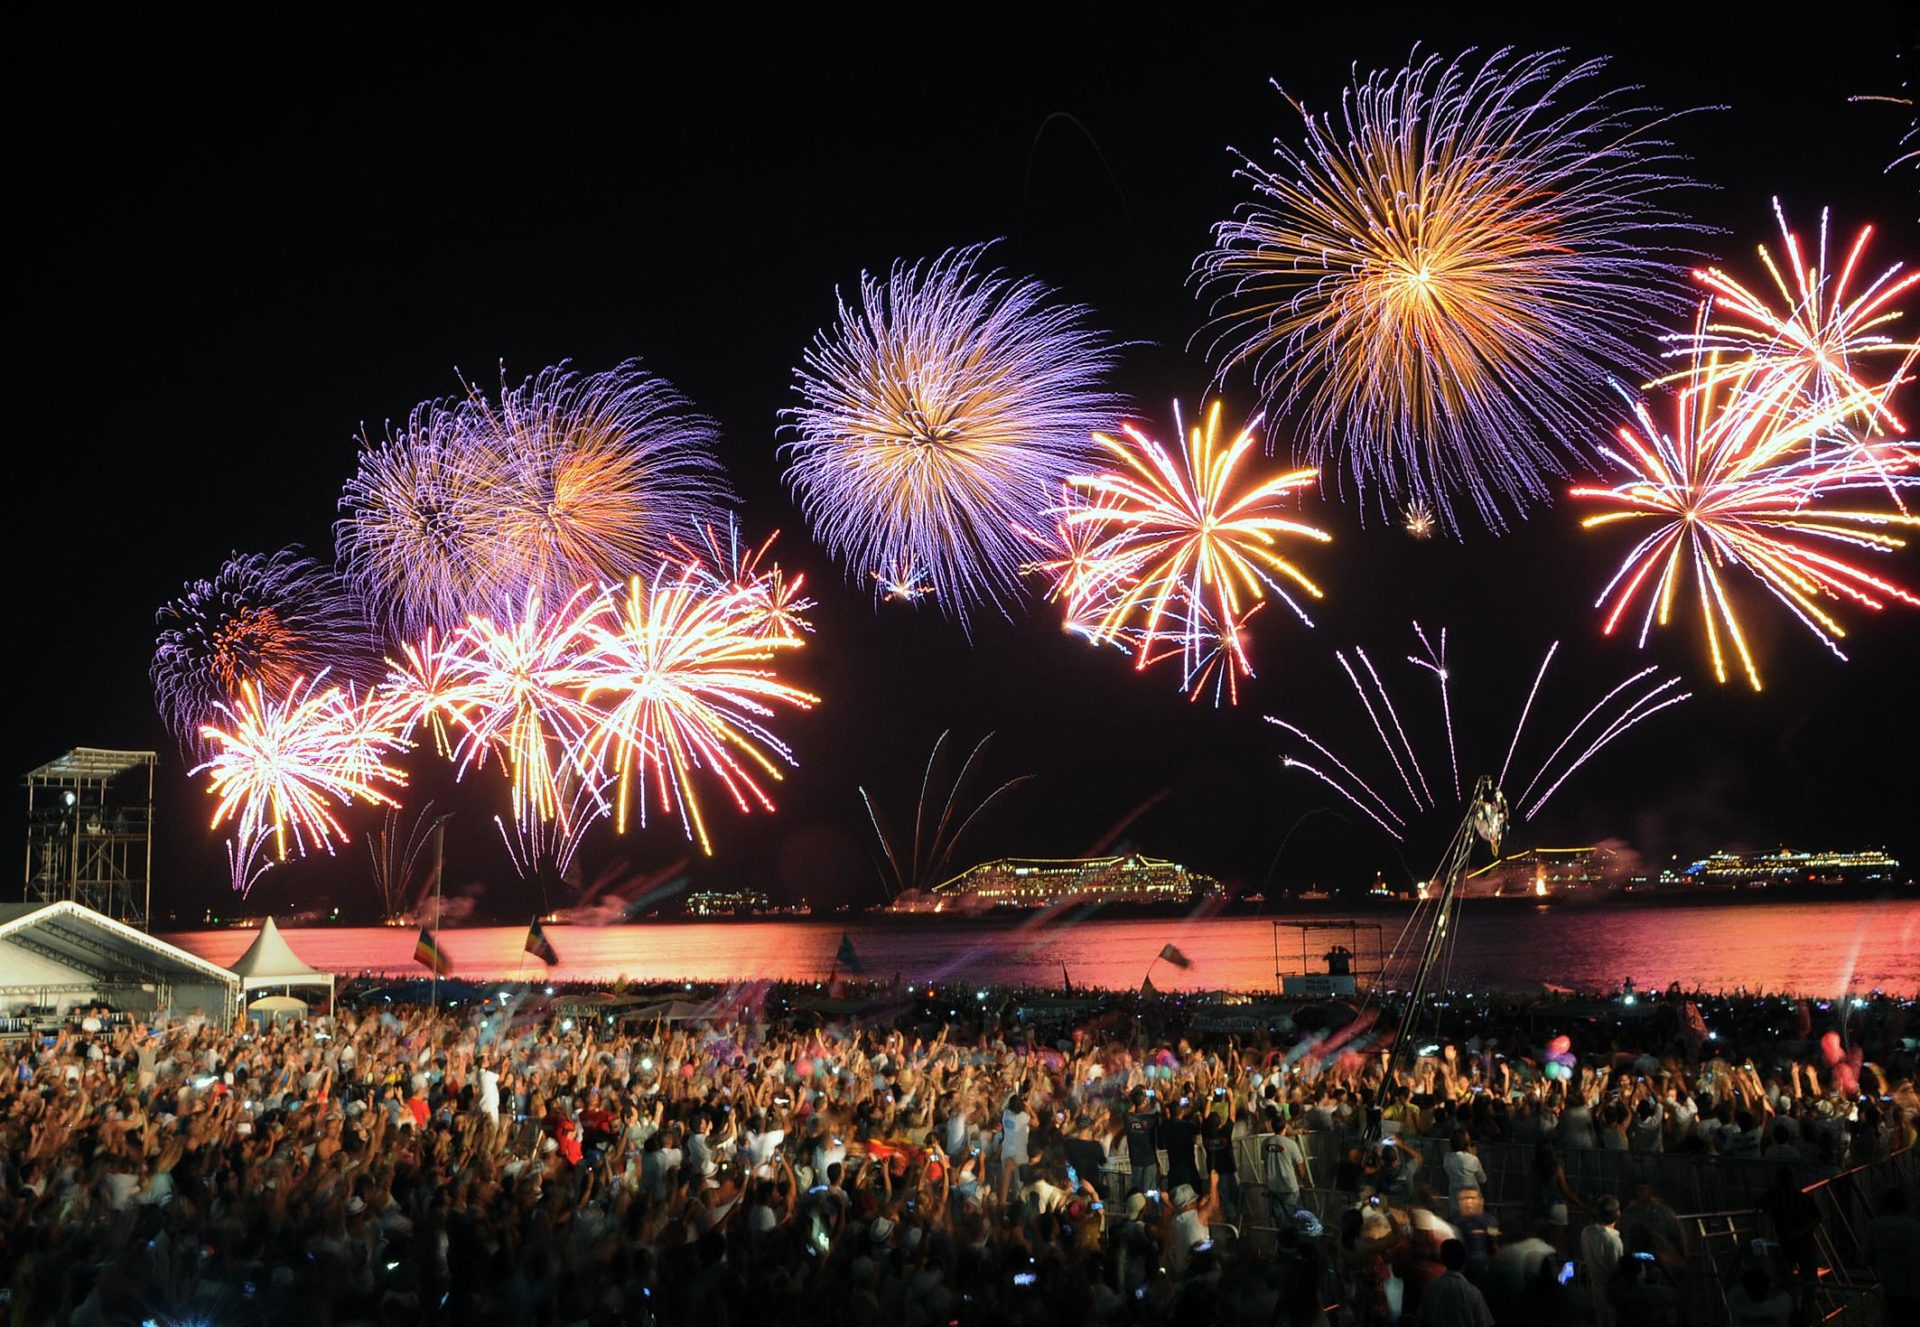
90	832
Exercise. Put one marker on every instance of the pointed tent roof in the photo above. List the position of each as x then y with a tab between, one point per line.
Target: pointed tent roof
270	961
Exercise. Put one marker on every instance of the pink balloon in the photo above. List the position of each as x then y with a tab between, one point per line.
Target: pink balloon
686	1070
1830	1047
1560	1045
804	1067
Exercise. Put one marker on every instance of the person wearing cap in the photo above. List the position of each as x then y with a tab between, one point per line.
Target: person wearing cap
1191	1216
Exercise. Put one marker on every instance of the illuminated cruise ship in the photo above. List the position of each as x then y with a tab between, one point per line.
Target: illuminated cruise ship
1021	882
1760	869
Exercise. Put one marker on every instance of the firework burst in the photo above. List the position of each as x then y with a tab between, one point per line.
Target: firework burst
510	691
1739	483
1168	552
263	619
679	682
940	414
567	480
1443	277
282	763
1819	340
1418	520
419	540
603	475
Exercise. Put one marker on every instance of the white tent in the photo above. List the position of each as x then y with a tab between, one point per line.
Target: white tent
57	955
276	1008
271	964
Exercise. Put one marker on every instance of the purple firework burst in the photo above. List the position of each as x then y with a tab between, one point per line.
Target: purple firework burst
1441	280
941	414
269	619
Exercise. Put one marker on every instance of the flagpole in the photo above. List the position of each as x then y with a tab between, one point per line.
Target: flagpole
439	863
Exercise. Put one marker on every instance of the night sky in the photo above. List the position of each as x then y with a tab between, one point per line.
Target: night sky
243	244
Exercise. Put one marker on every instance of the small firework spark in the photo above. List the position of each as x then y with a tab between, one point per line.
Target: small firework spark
902	583
1419	520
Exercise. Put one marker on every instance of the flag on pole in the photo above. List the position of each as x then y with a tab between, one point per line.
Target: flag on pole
539	946
1065	980
427	952
1147	988
1172	955
846	958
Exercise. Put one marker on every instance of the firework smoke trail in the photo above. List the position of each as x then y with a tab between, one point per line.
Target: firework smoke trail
1620	709
268	619
1294	762
680	682
1182	546
1367	701
1740	483
1436	663
923	868
1386	701
1441	279
1639	710
419	540
1526	710
281	762
394	859
941	411
1814	344
247	860
602	476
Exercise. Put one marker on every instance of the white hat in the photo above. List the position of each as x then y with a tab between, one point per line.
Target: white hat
881	1230
1184	1196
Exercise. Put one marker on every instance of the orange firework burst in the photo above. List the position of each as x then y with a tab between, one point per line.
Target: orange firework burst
678	675
280	764
1168	553
1821	338
1739	483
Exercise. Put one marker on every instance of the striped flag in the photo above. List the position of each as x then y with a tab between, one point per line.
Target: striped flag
539	946
1172	955
428	953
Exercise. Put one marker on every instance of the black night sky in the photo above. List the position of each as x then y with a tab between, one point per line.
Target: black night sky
243	243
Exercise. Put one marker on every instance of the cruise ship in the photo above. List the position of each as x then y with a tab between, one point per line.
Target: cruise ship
1026	883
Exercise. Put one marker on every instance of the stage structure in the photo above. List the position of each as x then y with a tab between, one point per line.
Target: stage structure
90	832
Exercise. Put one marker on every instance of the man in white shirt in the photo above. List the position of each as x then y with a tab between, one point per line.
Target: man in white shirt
1601	1249
1463	1168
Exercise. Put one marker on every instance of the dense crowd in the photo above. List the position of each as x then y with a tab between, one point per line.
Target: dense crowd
936	1165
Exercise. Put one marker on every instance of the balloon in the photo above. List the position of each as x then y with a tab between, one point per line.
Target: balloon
1560	1045
1830	1047
804	1067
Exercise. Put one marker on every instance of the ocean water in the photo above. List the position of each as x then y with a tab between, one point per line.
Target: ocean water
1808	948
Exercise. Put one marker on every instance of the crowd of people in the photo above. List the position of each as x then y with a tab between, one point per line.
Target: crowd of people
936	1163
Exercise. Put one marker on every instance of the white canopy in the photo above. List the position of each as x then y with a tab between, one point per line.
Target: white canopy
270	963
